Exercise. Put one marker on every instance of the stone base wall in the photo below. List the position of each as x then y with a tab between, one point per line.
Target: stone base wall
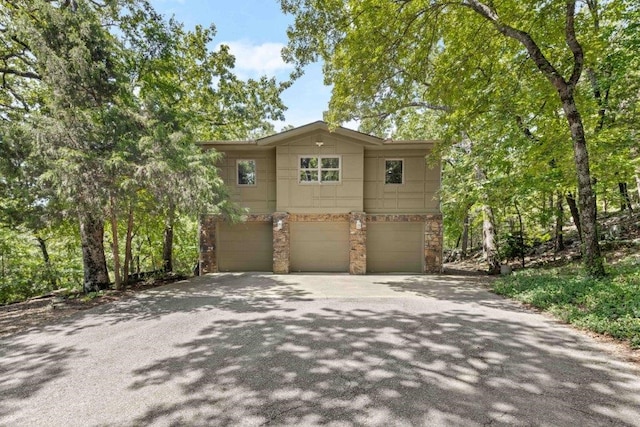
208	260
281	245
433	240
358	243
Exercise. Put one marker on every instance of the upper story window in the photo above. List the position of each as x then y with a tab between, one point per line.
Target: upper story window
394	171
246	172
319	169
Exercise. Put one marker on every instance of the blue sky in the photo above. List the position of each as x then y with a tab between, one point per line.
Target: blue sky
255	31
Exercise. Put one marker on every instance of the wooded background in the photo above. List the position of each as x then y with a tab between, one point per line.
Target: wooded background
103	101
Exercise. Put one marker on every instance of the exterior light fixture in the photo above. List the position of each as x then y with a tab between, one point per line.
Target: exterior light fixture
358	225
279	225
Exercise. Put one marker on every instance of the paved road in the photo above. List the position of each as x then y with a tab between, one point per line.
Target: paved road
251	350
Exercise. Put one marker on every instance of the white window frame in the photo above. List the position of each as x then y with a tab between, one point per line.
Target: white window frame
320	169
384	171
255	165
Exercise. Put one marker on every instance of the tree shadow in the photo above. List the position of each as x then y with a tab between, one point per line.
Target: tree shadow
267	353
236	292
370	367
461	289
25	368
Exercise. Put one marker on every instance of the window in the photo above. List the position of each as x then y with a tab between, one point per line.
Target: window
319	169
393	171
246	172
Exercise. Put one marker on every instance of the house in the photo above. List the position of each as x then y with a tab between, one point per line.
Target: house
326	201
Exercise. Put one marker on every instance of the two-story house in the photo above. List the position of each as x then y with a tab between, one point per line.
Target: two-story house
322	201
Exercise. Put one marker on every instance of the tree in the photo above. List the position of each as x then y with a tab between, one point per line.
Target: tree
112	99
385	56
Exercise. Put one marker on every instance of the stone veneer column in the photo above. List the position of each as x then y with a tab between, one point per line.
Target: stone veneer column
433	244
357	243
281	243
208	259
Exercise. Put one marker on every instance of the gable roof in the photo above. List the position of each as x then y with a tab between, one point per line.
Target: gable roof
368	141
282	137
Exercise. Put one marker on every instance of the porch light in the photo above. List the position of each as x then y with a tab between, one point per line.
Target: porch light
358	225
279	225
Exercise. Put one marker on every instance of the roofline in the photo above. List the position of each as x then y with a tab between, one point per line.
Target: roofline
319	125
369	141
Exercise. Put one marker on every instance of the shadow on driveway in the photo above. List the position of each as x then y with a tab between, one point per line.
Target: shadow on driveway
263	351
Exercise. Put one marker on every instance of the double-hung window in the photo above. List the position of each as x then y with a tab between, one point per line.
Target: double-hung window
319	169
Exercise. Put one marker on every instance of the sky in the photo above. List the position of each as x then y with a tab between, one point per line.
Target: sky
256	31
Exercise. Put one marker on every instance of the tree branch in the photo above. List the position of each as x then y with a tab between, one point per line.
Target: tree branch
543	64
574	45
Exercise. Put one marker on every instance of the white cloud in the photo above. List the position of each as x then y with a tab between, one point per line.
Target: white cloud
258	59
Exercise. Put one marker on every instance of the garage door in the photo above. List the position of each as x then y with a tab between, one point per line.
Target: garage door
395	247
245	247
320	246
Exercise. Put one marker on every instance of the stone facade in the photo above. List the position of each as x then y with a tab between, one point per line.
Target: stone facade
433	240
433	244
281	247
357	243
208	261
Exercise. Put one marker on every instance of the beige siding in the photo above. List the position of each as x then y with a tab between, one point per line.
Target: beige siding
342	197
260	198
394	247
320	246
245	247
418	193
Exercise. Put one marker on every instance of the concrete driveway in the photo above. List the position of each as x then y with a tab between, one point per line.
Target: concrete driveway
304	350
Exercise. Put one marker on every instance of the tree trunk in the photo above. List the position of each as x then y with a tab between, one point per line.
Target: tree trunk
96	275
638	185
465	236
586	197
47	261
520	235
565	89
559	224
128	253
575	214
115	247
489	246
167	248
625	200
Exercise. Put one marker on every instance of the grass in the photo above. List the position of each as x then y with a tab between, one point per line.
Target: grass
609	306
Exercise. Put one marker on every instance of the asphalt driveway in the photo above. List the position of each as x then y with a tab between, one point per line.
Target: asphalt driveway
304	350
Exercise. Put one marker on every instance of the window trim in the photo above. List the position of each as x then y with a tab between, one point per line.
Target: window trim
384	171
320	169
255	165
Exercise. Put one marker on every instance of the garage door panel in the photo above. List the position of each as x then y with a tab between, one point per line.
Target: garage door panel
395	247
318	246
245	247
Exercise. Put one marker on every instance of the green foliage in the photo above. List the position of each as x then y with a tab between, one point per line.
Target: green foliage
23	272
609	306
102	106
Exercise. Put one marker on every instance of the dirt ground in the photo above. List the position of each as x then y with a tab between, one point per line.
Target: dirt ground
52	308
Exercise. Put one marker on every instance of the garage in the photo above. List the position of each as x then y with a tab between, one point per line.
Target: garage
319	246
395	247
245	247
